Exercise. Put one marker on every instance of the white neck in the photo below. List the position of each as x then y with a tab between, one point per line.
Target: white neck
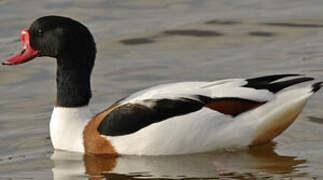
66	127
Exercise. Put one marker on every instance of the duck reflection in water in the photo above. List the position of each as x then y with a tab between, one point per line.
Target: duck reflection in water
245	164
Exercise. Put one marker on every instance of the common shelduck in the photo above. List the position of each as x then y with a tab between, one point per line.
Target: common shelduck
168	119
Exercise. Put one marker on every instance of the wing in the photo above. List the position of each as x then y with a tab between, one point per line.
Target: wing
230	97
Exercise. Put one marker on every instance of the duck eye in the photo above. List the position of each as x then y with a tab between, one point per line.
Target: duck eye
39	32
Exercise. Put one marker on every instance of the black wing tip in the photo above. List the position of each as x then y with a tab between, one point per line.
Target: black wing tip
275	87
317	86
304	79
271	78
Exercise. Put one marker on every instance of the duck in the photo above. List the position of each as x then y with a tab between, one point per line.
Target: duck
168	119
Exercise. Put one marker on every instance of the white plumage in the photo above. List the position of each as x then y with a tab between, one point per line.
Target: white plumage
215	89
66	127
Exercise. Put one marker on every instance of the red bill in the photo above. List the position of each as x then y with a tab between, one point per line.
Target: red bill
26	54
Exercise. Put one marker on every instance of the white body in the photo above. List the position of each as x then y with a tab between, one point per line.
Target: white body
200	131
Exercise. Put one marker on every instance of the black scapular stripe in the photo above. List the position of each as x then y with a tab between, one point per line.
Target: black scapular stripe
130	118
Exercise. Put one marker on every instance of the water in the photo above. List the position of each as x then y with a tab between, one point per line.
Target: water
143	43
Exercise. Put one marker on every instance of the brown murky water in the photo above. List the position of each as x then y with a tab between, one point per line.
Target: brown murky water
148	42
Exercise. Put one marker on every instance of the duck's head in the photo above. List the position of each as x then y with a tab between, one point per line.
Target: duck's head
59	37
72	44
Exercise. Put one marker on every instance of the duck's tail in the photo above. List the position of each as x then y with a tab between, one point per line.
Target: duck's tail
276	116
